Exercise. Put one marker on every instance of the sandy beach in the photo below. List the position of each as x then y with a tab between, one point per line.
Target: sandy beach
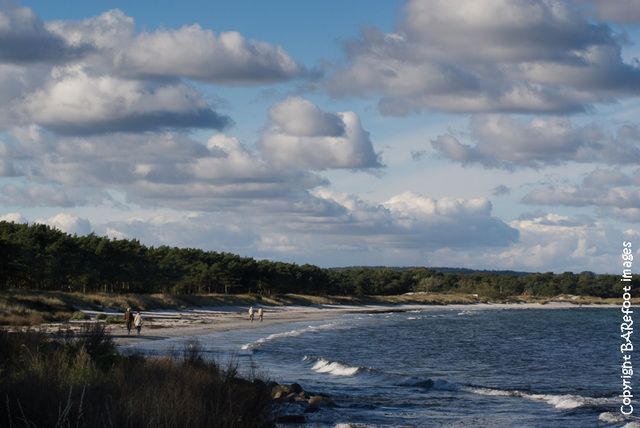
162	324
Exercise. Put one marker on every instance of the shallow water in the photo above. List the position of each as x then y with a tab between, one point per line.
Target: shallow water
444	367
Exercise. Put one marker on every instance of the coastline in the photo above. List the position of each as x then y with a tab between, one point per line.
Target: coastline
164	324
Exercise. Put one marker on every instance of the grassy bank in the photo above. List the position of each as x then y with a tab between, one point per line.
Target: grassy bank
81	381
19	307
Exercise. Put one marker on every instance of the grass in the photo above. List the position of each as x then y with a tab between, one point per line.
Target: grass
81	381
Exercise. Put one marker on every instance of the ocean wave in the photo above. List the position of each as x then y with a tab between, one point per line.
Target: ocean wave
333	367
353	425
291	333
566	401
610	417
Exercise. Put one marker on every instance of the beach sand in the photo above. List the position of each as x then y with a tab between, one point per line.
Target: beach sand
163	324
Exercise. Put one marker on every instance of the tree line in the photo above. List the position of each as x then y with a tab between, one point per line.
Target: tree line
39	257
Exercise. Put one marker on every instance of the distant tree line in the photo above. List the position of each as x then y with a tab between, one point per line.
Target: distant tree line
39	257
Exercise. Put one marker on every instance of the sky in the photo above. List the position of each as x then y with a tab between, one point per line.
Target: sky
492	134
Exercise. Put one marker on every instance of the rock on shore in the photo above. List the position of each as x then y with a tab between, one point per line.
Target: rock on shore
292	402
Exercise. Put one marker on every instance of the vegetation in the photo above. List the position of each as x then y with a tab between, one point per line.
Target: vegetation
39	257
82	381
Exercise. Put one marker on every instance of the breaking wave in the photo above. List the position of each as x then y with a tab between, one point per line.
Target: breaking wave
567	401
292	333
333	367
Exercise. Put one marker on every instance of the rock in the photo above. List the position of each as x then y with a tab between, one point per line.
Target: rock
279	391
296	387
316	399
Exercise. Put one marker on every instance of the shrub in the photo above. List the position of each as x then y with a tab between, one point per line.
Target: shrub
45	382
101	316
79	315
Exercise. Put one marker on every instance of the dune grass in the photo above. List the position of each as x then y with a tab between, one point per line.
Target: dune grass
81	381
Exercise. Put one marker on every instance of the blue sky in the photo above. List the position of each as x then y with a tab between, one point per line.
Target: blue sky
484	134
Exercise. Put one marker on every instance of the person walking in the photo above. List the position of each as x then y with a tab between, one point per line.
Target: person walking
251	314
137	321
260	313
128	318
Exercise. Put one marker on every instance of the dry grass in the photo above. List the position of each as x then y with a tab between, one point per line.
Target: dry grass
81	381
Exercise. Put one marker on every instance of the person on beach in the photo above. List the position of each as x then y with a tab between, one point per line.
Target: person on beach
138	321
260	313
251	314
128	318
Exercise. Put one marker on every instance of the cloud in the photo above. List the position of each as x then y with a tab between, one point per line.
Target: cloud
152	169
409	220
13	218
301	135
494	56
24	38
612	192
226	59
191	51
209	231
505	142
75	102
69	224
625	11
99	75
301	118
50	196
501	190
578	196
606	177
559	243
321	224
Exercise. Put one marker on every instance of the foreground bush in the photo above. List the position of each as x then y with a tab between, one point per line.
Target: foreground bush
82	381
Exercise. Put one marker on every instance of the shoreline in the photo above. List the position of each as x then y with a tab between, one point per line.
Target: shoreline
165	324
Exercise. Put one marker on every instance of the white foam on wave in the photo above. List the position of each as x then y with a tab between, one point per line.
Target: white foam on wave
333	367
353	425
291	333
566	401
610	417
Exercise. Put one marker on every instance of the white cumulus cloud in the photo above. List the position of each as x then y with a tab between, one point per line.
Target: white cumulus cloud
540	56
301	135
69	224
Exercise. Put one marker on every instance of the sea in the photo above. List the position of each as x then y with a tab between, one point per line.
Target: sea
443	367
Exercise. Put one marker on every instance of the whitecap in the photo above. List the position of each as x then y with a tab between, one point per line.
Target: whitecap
333	367
610	417
565	402
292	333
570	401
352	425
